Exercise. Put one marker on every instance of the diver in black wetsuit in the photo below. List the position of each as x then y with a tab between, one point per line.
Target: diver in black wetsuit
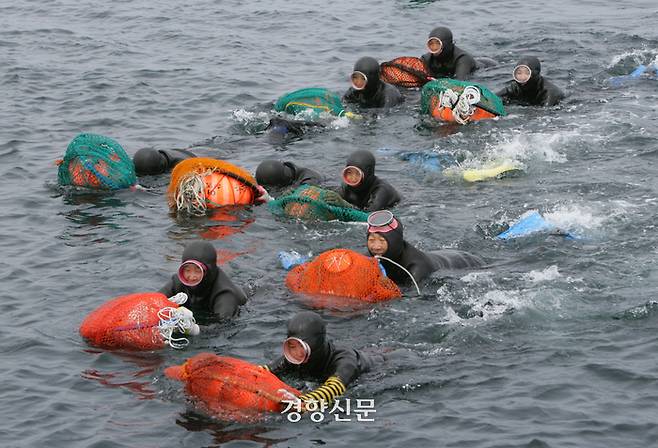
309	354
529	87
445	59
149	161
274	173
386	239
207	287
368	90
362	188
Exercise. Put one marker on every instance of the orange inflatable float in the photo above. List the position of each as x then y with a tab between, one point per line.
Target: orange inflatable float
202	183
140	321
229	388
343	273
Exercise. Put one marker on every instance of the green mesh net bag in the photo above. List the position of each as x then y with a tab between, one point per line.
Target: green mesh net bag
429	101
316	204
98	162
315	99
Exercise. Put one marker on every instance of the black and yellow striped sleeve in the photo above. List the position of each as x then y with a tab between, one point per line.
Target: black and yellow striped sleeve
328	392
265	367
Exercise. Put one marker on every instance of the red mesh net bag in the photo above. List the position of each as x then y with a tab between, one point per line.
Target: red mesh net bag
343	273
405	71
230	388
127	322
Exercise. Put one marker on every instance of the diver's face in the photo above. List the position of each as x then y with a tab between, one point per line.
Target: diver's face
377	244
522	74
434	45
359	80
192	273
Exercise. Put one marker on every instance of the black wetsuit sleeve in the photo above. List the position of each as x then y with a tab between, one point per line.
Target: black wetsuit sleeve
553	94
393	97
226	305
464	66
350	96
168	289
278	366
382	197
507	92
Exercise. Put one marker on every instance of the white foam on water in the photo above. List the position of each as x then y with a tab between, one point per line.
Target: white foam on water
546	275
639	56
577	217
245	117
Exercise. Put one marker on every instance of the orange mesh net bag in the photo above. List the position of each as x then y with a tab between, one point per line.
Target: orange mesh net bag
343	273
202	183
140	321
230	388
405	71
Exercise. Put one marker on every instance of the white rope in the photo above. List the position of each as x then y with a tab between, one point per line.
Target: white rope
379	257
179	320
178	299
191	194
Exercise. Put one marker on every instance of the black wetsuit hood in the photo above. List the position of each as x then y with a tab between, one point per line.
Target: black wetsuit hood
452	62
216	293
274	172
364	160
538	91
282	174
445	36
376	93
535	82
311	328
326	358
149	161
372	193
206	254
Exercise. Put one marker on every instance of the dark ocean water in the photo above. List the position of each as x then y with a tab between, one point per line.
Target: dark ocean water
554	346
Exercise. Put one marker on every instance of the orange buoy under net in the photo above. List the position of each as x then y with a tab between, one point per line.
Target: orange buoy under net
140	321
231	389
202	183
343	273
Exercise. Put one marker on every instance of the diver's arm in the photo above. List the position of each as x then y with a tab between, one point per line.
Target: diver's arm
464	67
327	393
168	289
382	197
553	95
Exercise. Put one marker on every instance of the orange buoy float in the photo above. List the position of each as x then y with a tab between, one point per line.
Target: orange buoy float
230	388
202	183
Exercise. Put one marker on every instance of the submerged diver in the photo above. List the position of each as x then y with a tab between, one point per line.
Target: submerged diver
362	188
149	161
529	87
308	353
207	287
368	90
274	173
445	59
386	239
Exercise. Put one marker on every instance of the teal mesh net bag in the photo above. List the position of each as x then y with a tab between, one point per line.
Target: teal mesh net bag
316	99
312	203
98	162
489	101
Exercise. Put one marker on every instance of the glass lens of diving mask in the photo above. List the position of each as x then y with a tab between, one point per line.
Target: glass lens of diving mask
434	45
353	175
191	272
522	74
359	80
381	221
296	351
